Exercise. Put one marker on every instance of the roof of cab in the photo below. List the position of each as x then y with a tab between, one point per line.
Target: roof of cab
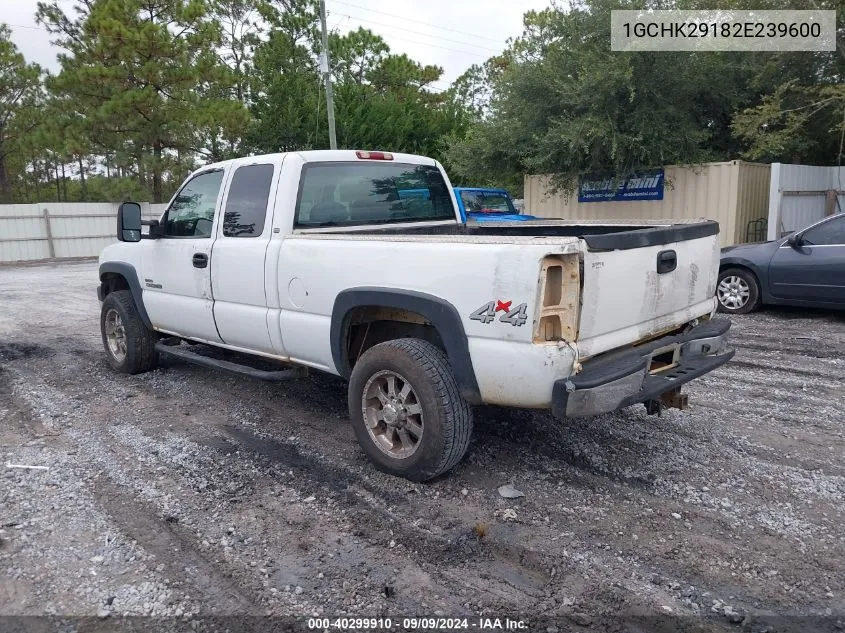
320	156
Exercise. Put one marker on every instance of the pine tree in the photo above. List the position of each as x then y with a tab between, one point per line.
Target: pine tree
143	75
20	85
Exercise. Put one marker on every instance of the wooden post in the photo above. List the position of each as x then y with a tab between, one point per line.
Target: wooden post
830	201
48	228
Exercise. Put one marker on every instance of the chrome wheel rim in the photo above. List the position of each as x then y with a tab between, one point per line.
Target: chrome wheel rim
733	292
115	335
393	414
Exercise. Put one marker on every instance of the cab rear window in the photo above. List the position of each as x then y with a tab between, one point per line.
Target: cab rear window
355	194
480	202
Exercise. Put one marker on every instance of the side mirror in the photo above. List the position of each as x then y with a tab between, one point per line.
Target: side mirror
129	222
795	240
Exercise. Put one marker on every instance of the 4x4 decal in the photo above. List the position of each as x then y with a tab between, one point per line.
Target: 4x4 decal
487	313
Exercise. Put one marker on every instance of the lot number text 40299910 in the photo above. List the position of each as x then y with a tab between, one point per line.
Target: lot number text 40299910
423	624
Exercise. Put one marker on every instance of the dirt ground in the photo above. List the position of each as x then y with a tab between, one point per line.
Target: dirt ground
189	492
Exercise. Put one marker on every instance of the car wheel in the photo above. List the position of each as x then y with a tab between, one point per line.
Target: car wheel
129	344
407	412
737	291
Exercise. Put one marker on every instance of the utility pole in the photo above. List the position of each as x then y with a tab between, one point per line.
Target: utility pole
325	67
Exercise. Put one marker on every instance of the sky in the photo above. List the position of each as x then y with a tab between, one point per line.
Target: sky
452	34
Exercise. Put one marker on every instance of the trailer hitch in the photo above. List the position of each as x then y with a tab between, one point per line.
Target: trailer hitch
673	399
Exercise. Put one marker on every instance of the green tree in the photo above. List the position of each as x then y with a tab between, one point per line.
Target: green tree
20	85
564	103
473	90
286	95
144	76
560	101
799	113
382	101
355	55
241	26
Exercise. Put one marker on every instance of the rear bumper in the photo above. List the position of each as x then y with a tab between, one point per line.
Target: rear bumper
623	379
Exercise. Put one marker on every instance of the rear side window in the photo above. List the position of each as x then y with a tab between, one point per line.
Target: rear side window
344	194
828	233
246	205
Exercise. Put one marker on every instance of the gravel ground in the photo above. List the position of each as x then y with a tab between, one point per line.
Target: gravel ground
188	493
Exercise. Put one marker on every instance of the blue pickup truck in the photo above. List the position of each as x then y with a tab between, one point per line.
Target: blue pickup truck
484	204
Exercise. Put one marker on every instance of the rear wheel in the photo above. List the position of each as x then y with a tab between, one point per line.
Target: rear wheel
406	410
129	344
737	291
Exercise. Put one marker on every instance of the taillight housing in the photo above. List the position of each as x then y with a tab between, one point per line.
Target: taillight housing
560	299
374	155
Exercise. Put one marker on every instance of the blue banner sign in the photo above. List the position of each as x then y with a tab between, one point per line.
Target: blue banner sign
642	185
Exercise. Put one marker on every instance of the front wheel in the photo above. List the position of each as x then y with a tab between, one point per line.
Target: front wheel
406	410
129	344
737	291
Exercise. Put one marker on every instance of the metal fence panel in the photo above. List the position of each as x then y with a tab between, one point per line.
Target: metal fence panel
30	232
21	227
23	251
85	247
798	196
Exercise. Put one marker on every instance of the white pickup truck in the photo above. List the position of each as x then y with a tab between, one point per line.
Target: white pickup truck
357	264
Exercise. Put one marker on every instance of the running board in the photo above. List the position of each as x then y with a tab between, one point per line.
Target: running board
235	368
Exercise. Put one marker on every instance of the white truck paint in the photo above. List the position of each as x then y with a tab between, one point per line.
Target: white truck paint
275	293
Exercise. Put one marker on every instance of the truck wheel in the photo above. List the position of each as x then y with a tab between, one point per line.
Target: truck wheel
130	345
406	410
737	291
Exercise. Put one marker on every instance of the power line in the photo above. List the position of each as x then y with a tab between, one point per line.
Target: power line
423	33
366	9
334	25
25	26
399	17
445	48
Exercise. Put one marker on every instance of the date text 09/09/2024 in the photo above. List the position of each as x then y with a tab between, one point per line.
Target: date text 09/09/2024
423	623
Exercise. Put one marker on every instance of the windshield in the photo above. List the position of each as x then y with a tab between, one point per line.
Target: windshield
342	194
482	202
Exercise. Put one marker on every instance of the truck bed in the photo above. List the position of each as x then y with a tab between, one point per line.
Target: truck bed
625	296
599	235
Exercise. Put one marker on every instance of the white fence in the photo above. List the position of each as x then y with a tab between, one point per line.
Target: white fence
58	230
802	194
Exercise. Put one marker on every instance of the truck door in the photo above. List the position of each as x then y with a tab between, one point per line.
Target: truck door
176	276
238	258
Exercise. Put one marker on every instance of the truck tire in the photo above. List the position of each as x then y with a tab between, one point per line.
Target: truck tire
407	412
129	344
737	291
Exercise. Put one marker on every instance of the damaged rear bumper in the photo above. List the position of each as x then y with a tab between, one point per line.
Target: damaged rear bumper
643	373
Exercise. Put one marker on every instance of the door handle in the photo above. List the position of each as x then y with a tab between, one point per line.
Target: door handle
667	261
200	260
